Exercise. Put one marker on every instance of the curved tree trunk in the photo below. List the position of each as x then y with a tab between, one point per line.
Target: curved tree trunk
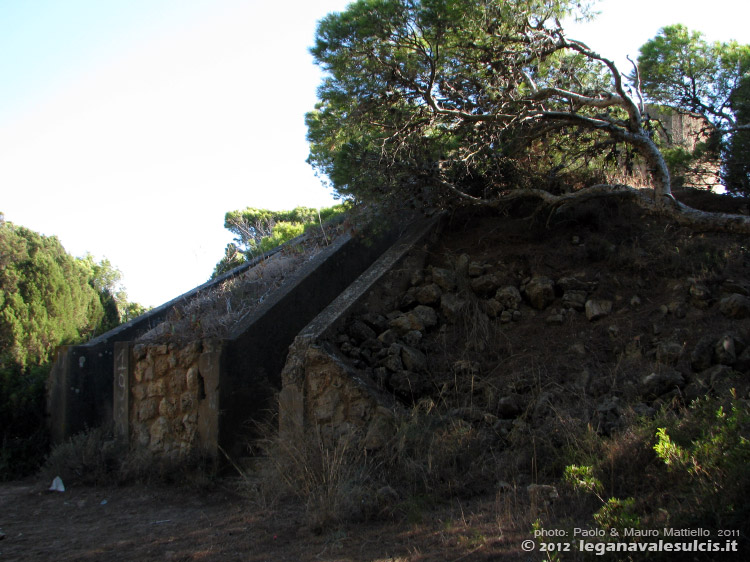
657	168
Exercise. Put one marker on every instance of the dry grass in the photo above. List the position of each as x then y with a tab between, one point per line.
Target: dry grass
334	480
215	311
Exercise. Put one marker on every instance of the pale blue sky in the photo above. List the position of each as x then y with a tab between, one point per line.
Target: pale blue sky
129	127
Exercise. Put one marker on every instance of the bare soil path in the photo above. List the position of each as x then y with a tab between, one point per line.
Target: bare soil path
147	523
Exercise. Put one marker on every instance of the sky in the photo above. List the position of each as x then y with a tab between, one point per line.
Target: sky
128	128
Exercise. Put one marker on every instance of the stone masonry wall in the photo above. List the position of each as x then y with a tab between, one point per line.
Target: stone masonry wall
174	397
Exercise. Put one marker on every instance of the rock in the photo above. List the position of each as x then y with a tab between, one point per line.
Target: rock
716	374
644	410
408	299
372	344
493	308
484	285
607	415
575	284
413	338
451	306
393	362
668	352
193	379
730	286
540	291
426	315
506	316
444	278
428	294
701	358
475	269
361	331
159	431
388	337
660	383
148	409
509	296
413	359
574	299
406	323
635	301
168	406
724	350
700	295
596	309
376	321
735	306
542	494
380	430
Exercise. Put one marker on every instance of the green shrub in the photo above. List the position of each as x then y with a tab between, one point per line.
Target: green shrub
707	454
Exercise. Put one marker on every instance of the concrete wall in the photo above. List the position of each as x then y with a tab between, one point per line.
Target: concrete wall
78	395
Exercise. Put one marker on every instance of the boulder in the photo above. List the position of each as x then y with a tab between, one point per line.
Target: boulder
540	291
406	323
542	494
596	309
444	278
575	284
735	306
656	384
413	359
493	308
731	286
475	269
509	296
428	294
668	352
426	315
724	350
361	331
451	306
701	358
574	299
484	285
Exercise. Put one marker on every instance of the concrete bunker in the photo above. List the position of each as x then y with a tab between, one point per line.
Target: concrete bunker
197	395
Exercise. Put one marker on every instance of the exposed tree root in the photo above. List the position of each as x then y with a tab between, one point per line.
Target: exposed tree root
668	207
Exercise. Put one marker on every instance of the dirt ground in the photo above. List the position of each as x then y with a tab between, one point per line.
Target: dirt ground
174	523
